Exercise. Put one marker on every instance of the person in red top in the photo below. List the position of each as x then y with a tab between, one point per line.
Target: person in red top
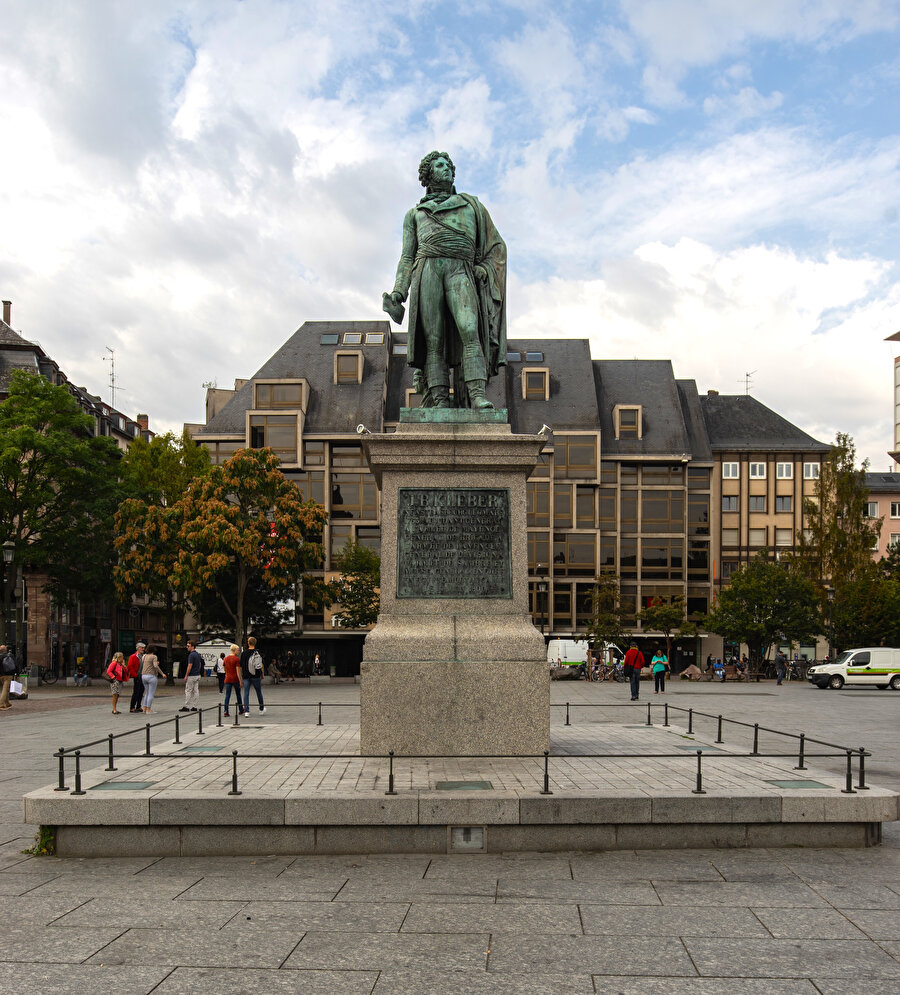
634	664
134	673
233	678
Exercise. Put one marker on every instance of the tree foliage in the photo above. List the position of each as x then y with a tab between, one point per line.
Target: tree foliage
608	619
866	611
356	590
245	523
160	471
669	618
57	488
764	603
837	544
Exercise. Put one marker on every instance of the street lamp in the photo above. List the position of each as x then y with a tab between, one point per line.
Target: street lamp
9	555
829	594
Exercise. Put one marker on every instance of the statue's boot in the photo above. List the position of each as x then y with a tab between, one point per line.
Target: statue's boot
476	394
440	396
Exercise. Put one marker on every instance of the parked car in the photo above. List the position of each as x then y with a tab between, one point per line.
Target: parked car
876	666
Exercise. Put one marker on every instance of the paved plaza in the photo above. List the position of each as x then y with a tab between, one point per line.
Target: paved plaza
693	920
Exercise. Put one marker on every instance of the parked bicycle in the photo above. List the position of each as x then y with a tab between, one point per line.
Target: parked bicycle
48	675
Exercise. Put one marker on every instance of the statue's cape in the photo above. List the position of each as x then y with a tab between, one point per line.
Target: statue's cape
490	252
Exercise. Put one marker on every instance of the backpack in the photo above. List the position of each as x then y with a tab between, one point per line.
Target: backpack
8	665
255	663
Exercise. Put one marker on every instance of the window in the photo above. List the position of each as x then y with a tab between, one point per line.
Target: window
698	478
662	558
698	514
784	471
627	421
810	471
562	506
514	357
729	502
535	385
347	367
895	509
662	511
628	510
871	509
279	395
370	537
895	538
607	509
399	348
698	560
353	495
757	471
312	485
347	455
574	554
575	456
313	453
628	558
278	432
729	567
730	537
729	471
784	503
757	537
375	338
537	503
584	507
534	357
352	338
660	474
784	537
328	339
756	502
539	553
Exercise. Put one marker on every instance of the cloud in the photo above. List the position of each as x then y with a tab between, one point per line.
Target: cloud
748	102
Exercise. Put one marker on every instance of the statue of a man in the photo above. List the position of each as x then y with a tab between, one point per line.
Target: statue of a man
453	269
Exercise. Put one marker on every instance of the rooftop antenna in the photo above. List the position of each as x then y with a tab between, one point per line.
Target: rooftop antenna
747	381
111	359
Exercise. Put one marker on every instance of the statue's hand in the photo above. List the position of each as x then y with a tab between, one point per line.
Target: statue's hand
481	274
397	297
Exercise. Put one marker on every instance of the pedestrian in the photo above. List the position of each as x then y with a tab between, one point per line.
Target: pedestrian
117	672
290	666
8	671
634	664
659	665
220	672
134	672
150	674
253	670
232	665
780	666
192	674
80	676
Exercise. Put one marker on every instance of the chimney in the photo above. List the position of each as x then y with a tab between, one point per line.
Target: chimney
7	312
144	422
712	393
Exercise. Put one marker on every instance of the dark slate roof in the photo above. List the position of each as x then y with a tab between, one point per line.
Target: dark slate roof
740	423
333	408
16	353
693	420
883	483
651	384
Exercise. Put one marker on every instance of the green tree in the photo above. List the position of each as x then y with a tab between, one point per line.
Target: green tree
57	487
265	608
890	564
766	602
356	590
161	470
608	617
670	618
837	544
866	611
243	524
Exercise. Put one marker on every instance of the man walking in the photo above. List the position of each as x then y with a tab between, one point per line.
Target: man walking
8	670
634	664
134	673
192	674
780	666
252	669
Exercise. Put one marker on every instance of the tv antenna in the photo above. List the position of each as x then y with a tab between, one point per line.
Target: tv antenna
747	381
113	381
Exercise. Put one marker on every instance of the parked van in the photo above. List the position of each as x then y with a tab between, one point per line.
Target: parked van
877	666
567	652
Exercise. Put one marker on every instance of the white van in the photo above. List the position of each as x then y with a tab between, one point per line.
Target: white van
567	652
877	666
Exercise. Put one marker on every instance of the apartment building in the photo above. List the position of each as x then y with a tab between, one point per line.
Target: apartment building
884	503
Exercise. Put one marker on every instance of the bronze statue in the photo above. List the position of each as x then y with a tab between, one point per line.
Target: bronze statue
453	269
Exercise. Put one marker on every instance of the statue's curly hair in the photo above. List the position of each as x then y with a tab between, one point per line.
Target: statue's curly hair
425	166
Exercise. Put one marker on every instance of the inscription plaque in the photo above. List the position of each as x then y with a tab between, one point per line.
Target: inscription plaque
453	543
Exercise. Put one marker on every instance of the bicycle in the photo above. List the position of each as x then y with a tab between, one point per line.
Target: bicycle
47	676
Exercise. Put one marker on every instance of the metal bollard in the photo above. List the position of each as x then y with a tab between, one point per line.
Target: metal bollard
234	787
390	790
546	789
176	741
237	712
112	761
219	722
848	790
665	714
199	731
61	753
690	722
78	790
801	759
719	733
147	744
755	751
567	714
320	714
699	789
861	784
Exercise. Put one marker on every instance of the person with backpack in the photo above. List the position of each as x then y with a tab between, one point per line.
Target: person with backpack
253	671
8	670
117	672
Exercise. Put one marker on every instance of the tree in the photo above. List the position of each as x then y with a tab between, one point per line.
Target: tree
156	474
57	487
669	618
242	524
764	603
838	541
356	590
265	608
866	611
607	622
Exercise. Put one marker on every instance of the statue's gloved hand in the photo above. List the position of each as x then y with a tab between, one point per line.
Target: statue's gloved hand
481	273
397	297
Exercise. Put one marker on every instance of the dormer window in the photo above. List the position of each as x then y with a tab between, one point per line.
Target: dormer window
628	421
348	367
279	395
535	384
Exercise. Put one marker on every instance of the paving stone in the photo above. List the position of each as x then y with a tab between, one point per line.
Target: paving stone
521	953
383	951
48	944
763	894
613	893
831	986
114	886
801	924
856	896
256	866
418	890
672	920
151	914
488	983
237	981
186	948
413	865
644	866
336	917
703	986
529	866
877	924
63	979
504	918
13	883
279	889
42	911
853	959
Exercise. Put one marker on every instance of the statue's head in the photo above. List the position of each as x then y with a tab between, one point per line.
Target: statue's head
425	167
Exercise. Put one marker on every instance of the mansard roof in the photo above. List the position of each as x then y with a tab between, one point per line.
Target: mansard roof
740	423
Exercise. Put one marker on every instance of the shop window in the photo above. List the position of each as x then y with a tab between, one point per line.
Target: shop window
277	432
347	367
535	384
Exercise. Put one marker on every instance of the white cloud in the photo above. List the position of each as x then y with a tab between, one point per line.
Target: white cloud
463	118
748	102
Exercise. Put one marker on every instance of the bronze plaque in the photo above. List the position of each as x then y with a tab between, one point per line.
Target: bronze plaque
453	543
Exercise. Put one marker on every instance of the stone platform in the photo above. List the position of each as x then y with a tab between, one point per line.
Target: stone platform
337	804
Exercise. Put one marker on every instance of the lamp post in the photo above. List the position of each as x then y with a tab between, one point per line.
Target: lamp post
542	595
829	594
9	556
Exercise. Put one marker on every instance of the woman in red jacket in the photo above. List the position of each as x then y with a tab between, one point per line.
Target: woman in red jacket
233	678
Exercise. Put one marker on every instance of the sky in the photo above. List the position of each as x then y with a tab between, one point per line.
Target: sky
714	182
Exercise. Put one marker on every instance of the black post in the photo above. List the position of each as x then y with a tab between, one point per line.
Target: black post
567	714
147	744
320	714
78	790
546	789
844	791
861	784
234	787
690	722
666	714
176	741
699	789
219	723
61	753
801	760
200	731
755	739
719	733
237	712
390	790
111	758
